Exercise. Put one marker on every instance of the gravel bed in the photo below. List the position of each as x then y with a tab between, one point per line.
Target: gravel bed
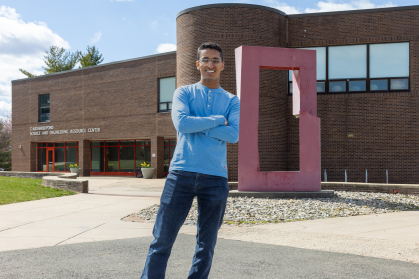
249	211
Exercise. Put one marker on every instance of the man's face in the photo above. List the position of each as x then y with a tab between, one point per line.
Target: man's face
210	64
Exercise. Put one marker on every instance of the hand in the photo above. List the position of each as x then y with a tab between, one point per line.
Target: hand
226	123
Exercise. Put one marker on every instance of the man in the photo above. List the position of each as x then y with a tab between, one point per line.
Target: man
205	117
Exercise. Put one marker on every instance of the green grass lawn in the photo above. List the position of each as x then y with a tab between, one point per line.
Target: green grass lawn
13	189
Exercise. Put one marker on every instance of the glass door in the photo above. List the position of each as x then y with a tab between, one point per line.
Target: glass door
50	159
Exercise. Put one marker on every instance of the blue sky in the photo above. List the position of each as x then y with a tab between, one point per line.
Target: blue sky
121	29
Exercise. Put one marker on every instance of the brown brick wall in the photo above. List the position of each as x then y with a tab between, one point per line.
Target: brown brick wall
273	120
120	99
384	124
157	162
386	135
231	28
84	157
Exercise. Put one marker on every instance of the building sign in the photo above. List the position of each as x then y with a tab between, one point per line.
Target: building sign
49	130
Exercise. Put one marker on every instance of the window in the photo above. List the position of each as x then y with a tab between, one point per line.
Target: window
57	156
43	108
362	68
167	87
169	149
320	69
119	156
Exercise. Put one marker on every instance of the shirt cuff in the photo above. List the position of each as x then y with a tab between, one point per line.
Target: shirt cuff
219	120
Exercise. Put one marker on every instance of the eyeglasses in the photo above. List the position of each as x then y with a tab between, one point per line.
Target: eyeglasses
215	62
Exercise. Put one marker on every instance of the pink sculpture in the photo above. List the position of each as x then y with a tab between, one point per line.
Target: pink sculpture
249	60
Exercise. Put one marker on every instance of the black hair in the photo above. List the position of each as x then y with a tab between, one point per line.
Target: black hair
209	45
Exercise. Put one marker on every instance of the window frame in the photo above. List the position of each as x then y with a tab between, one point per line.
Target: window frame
367	79
119	145
158	96
39	108
53	146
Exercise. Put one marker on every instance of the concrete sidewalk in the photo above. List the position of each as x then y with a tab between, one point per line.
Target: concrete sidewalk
127	186
96	217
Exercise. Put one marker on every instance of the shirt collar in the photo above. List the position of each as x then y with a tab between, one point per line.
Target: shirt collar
206	88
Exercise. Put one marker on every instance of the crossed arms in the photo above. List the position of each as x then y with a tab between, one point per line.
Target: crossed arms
214	126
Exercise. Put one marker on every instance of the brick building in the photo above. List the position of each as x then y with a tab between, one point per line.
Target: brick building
112	117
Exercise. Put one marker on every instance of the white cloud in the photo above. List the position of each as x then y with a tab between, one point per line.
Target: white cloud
17	37
284	7
5	109
22	45
331	6
166	48
96	37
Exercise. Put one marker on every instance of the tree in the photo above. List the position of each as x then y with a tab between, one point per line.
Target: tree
91	58
27	73
57	60
5	143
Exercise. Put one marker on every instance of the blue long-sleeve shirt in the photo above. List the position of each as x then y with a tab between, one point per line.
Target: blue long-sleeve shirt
199	114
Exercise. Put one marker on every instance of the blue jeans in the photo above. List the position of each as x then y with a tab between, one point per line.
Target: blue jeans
176	200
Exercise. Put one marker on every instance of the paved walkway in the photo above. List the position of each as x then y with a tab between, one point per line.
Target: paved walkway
94	217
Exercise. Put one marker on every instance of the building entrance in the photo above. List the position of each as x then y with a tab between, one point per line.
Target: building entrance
56	156
50	159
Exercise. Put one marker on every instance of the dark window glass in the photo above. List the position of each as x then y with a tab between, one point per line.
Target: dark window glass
167	87
127	142
44	108
399	84
321	87
97	159
143	142
166	158
71	158
111	159
71	143
97	143
42	144
337	86
126	158
42	159
142	154
357	85
169	149
59	159
59	144
379	84
111	143
50	144
50	161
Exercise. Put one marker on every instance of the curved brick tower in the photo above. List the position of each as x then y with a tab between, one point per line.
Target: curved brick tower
233	25
229	25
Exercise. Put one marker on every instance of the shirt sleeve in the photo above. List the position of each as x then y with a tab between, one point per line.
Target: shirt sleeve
228	133
184	122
